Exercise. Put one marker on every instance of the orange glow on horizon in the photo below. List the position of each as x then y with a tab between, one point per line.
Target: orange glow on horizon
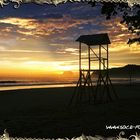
33	49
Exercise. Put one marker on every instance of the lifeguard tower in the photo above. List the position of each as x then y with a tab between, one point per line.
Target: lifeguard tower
93	49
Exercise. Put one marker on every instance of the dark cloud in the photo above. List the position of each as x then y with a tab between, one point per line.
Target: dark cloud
48	15
75	10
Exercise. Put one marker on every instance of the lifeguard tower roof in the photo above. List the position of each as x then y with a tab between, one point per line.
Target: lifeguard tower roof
95	39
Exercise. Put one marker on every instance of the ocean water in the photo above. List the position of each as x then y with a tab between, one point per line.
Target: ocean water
15	85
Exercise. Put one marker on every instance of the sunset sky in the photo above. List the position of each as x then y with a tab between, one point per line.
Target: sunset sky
39	41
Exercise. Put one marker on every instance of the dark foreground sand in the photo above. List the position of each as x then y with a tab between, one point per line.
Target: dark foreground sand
44	113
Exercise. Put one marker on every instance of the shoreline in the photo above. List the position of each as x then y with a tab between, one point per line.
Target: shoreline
34	86
56	85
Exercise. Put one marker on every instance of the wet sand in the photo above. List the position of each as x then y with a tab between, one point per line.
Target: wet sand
45	113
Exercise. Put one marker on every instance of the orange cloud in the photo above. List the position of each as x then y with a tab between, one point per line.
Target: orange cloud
54	54
46	27
43	27
20	22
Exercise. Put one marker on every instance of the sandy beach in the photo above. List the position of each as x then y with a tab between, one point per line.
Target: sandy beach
44	113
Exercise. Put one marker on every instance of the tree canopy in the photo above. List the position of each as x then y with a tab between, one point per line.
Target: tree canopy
130	16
